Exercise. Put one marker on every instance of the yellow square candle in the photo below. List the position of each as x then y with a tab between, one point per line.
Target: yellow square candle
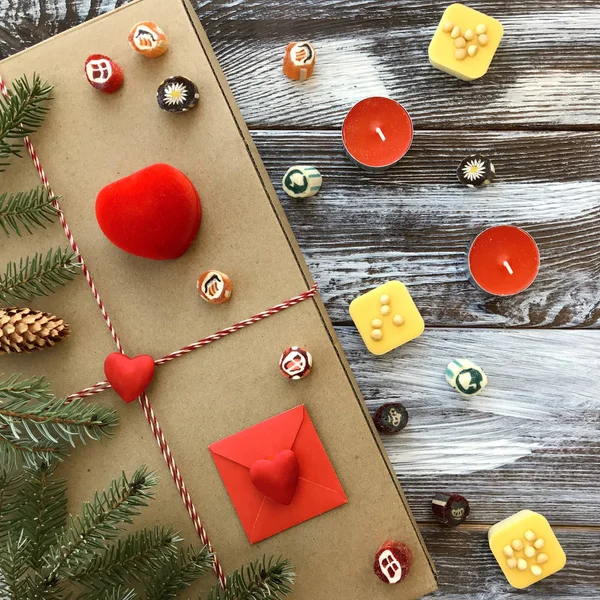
386	317
526	548
465	42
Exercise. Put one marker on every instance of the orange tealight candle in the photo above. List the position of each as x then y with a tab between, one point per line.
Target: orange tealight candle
377	133
503	260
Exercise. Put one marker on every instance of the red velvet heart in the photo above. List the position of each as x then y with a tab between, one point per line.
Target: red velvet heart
276	478
153	213
129	377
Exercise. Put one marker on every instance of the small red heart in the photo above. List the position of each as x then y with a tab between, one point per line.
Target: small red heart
277	478
129	377
153	213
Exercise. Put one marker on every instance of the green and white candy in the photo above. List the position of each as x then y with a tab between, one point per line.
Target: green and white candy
302	181
466	377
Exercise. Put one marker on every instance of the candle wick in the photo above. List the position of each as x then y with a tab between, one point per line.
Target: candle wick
508	267
378	130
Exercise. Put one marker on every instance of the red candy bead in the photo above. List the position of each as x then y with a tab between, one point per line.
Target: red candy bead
392	562
103	73
295	363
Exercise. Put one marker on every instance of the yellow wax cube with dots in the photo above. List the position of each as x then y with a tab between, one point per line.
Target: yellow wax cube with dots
526	548
465	42
386	317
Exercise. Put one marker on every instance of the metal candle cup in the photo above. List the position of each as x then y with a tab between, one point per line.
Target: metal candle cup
377	133
503	260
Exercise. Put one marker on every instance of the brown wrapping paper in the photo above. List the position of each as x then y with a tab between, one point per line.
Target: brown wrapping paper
91	139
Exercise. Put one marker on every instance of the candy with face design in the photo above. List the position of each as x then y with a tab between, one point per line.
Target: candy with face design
147	38
450	509
391	417
103	73
466	377
295	362
177	94
302	181
299	60
392	562
214	287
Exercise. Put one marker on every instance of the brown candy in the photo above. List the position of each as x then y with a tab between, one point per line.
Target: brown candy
450	509
392	562
295	362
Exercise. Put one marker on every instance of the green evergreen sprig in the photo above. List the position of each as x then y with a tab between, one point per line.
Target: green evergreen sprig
26	210
36	426
38	275
99	522
178	573
11	481
21	114
14	567
269	579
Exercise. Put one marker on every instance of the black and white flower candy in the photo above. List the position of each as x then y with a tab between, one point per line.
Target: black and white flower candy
476	170
177	94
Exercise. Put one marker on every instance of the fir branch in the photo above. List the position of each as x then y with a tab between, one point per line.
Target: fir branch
137	556
178	573
42	512
262	580
10	485
15	452
55	421
21	114
14	567
117	593
38	275
101	520
29	210
31	388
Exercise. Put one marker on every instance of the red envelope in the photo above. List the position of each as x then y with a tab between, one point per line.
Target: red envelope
318	489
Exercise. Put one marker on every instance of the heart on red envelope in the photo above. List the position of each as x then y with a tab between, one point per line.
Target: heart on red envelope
129	377
153	213
277	478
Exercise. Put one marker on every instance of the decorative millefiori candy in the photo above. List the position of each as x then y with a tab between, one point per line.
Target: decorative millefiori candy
391	417
476	171
214	287
302	181
299	60
466	377
392	562
147	38
465	42
153	213
295	362
450	509
103	73
526	548
386	317
177	94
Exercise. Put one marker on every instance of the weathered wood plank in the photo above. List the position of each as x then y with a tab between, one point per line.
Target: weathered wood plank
467	569
544	74
529	440
415	222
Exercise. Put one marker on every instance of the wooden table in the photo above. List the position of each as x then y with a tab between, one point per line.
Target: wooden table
533	439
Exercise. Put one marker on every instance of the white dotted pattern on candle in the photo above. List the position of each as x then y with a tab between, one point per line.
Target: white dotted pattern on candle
460	39
518	554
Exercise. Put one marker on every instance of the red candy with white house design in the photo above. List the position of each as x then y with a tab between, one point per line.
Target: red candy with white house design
103	73
392	562
295	362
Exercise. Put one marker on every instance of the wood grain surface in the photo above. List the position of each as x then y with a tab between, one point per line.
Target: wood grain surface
532	440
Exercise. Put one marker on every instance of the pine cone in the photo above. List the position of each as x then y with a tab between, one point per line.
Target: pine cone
25	330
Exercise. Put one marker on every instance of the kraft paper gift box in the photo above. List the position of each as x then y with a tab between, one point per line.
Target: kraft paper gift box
91	139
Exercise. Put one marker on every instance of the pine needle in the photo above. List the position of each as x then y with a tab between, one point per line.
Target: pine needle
178	573
14	567
21	114
38	275
137	556
27	210
101	520
10	485
16	452
42	511
31	388
268	579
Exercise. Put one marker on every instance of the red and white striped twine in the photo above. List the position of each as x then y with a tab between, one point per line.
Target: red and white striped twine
144	402
105	385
